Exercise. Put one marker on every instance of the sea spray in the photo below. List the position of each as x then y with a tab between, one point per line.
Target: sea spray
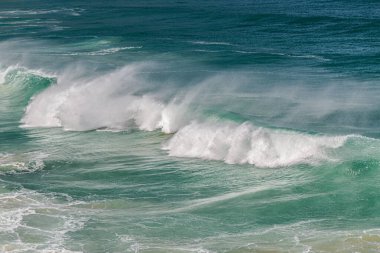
195	126
112	102
245	143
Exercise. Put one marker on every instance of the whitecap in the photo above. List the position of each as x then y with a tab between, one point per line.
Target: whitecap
248	144
114	102
221	43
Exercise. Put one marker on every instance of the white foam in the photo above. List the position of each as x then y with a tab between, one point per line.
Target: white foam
101	52
199	42
26	163
22	70
2	76
245	143
117	101
228	196
68	11
110	50
107	101
18	208
4	72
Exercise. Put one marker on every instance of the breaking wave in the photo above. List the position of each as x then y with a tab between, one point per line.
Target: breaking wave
106	102
245	143
116	101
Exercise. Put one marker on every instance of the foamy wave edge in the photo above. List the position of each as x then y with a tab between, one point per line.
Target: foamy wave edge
109	102
247	144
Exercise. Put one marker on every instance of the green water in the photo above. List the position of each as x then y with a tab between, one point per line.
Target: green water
188	126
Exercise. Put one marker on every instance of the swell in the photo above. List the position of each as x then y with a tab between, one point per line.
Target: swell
20	84
114	101
122	100
17	86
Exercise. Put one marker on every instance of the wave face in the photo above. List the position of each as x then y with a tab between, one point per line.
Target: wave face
189	126
24	83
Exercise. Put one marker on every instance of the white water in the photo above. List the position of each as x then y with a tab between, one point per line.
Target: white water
245	143
113	102
26	163
107	102
66	11
23	216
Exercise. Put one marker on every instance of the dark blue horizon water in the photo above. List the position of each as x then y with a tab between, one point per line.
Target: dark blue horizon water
337	36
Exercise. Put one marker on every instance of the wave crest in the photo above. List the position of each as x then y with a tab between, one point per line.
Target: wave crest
245	143
119	101
106	102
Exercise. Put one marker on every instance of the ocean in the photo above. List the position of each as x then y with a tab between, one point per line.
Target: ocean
189	126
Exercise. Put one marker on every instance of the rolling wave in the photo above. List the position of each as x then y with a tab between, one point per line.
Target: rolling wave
18	85
115	102
245	143
105	102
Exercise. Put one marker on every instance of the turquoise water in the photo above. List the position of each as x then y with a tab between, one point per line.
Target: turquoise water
189	126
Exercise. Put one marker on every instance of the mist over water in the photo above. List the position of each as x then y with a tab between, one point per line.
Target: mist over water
189	126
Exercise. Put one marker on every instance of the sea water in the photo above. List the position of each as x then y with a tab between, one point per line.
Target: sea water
189	126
